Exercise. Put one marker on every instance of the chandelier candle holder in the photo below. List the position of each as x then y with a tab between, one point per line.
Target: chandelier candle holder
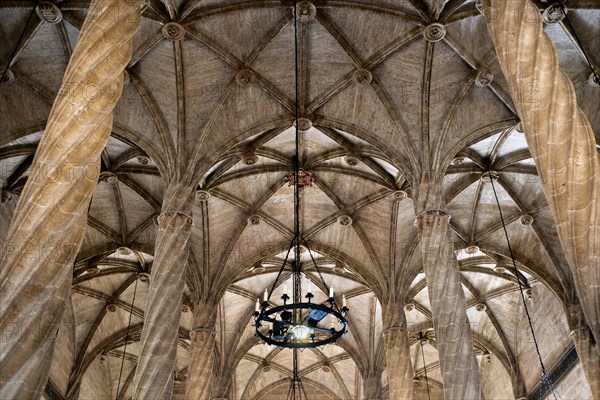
300	324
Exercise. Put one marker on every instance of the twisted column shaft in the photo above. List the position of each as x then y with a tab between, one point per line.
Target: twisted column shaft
200	370
397	353
459	367
560	139
372	385
202	361
158	344
50	219
588	355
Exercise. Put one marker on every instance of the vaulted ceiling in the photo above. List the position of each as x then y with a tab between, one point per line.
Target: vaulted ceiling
381	104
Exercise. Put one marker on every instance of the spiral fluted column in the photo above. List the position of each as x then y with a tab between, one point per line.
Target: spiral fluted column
49	222
586	350
201	366
397	352
202	351
560	139
158	344
372	385
458	364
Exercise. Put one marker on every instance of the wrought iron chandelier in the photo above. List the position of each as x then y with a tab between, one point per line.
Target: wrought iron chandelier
300	323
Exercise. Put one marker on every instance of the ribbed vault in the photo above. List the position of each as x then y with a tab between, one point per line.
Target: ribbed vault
385	107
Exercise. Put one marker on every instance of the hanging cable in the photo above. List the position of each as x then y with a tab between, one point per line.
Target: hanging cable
14	53
127	337
545	378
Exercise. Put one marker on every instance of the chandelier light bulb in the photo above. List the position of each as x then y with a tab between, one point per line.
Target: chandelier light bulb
257	305
299	332
266	295
344	301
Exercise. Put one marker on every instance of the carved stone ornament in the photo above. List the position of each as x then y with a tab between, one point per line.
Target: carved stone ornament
304	124
345	220
259	269
457	161
123	251
244	77
484	78
48	12
144	277
202	195
490	176
593	80
6	196
434	32
499	269
519	127
362	77
408	307
553	14
305	11
253	220
399	195
111	308
471	249
8	77
351	161
109	177
143	160
338	269
526	219
173	31
250	159
480	307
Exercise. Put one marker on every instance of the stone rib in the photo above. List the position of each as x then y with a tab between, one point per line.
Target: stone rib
49	222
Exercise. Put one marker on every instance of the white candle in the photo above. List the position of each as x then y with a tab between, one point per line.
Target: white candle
266	296
331	292
309	286
257	306
285	288
344	301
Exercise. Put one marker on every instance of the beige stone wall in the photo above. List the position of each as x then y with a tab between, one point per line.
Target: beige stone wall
495	382
573	386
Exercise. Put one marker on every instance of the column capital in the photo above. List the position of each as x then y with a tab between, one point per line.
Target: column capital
431	213
201	334
394	329
175	219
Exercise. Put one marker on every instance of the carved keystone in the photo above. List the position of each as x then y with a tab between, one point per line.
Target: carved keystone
173	31
434	32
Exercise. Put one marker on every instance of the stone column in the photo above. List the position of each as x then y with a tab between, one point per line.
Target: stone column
50	219
202	353
372	385
559	136
587	349
397	352
459	367
588	355
158	344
